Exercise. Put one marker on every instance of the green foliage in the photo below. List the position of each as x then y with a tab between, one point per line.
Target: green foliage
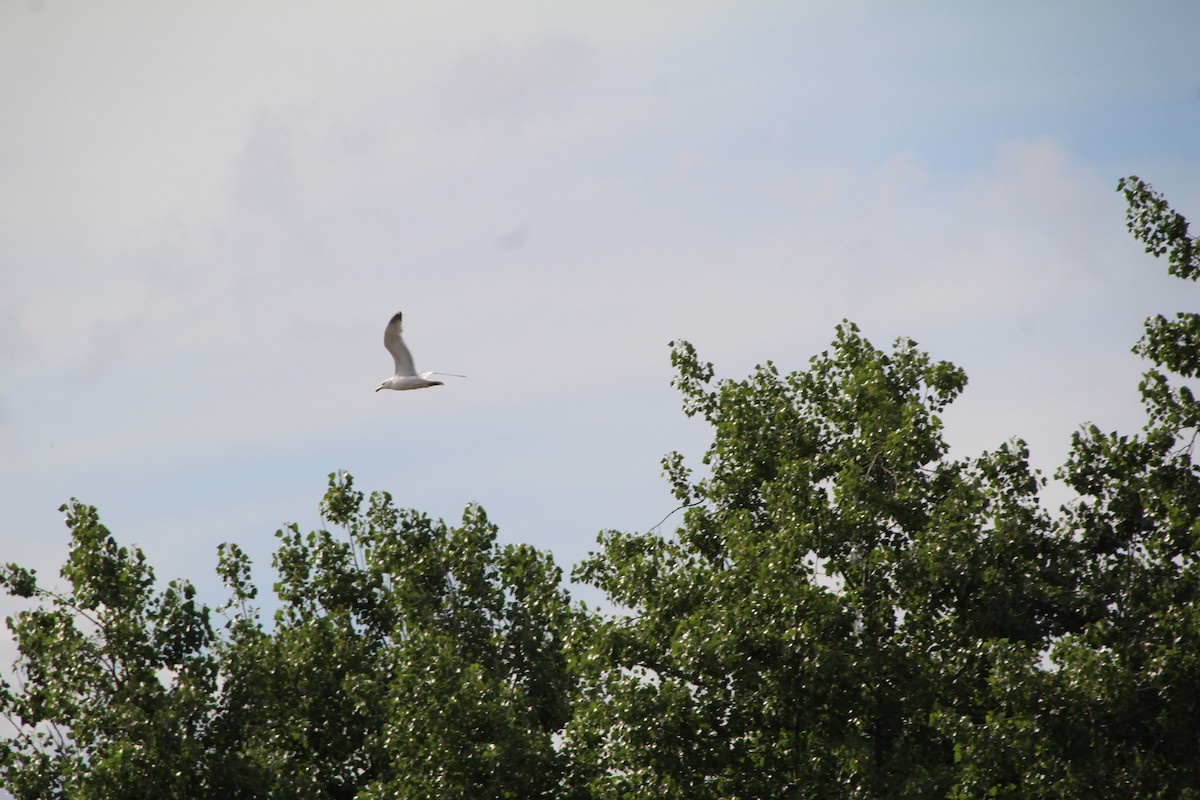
1129	678
1161	229
837	591
117	680
409	659
406	659
844	612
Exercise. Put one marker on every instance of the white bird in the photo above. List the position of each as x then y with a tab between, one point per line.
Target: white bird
406	376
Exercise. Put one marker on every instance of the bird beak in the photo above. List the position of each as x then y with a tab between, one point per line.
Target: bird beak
378	388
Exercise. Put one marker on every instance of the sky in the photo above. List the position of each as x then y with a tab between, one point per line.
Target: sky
209	211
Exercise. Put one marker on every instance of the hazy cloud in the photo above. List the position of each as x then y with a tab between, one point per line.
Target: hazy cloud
208	223
513	240
515	82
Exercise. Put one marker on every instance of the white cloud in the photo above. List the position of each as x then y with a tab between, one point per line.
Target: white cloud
205	237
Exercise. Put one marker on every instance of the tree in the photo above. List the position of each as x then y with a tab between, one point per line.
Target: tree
837	590
846	612
1116	712
406	659
1130	678
117	681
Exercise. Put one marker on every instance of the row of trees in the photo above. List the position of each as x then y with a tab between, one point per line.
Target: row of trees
844	612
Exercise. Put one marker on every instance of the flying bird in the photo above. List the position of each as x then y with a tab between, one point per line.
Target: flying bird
406	376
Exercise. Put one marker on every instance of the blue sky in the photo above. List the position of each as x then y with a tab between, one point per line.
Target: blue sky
208	212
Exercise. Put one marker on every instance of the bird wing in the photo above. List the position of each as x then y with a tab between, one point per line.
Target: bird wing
395	346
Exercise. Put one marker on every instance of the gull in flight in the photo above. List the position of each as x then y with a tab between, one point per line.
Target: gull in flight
406	376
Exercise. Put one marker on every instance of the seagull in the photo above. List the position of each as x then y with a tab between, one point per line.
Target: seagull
406	376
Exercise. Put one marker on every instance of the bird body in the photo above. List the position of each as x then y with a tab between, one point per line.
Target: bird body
402	382
406	376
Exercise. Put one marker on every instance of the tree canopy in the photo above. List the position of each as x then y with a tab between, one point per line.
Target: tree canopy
407	658
844	611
